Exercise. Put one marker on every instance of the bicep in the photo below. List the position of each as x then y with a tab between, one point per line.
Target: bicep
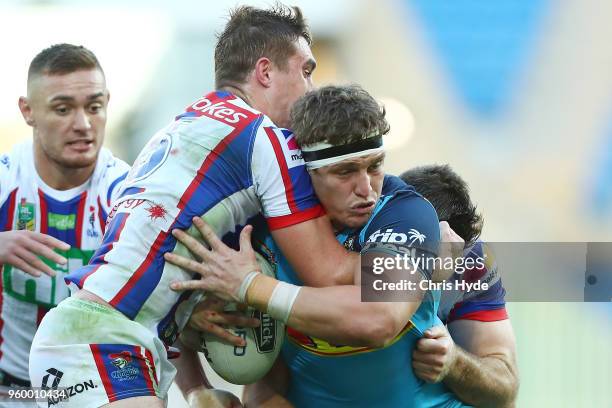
313	251
484	338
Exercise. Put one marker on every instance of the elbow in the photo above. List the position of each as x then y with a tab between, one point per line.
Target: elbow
375	331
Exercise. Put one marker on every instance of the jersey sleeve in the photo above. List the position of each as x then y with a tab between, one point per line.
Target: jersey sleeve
487	305
281	180
406	220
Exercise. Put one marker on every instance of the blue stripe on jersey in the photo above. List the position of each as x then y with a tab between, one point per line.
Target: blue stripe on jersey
228	174
68	208
4	211
111	236
302	187
112	187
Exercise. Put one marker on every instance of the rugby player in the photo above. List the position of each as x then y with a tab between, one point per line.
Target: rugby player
340	130
223	158
55	194
476	356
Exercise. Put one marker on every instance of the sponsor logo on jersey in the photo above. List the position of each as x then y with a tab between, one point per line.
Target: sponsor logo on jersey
61	222
25	216
150	159
91	232
51	381
123	361
265	334
218	110
389	236
156	211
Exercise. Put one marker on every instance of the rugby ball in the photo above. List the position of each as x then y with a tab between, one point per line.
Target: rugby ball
245	365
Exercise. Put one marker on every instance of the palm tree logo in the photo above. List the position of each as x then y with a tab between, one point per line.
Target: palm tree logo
415	235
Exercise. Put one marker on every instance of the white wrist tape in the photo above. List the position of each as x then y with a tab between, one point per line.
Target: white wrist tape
281	301
244	286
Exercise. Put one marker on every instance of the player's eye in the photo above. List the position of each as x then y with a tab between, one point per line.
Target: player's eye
95	107
61	110
376	166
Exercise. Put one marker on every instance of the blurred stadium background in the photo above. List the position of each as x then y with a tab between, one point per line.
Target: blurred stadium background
515	94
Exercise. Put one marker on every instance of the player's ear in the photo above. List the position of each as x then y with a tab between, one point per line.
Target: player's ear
263	68
26	110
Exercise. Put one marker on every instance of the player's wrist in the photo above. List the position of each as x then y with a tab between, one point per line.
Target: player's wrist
272	296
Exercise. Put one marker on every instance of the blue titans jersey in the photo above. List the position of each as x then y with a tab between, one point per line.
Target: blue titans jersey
328	375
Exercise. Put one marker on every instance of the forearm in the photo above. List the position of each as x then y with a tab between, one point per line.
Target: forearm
483	381
334	264
190	373
337	315
270	390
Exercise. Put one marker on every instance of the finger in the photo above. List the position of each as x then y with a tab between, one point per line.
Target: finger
209	303
185	263
218	331
233	319
432	360
245	238
188	285
36	262
435	346
192	244
50	241
22	265
435	332
45	251
425	373
209	234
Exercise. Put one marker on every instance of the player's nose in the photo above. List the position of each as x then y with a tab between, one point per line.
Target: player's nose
82	122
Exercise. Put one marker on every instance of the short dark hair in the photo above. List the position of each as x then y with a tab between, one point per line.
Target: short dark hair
252	33
449	194
60	59
337	115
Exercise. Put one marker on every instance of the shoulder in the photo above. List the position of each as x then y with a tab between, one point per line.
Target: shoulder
404	218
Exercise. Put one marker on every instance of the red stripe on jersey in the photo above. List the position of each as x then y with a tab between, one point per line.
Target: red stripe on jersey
108	386
12	200
101	219
141	269
282	163
44	212
152	362
482	316
79	219
210	159
145	368
191	189
284	221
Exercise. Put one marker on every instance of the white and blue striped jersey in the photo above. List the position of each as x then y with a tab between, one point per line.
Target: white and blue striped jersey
220	159
76	216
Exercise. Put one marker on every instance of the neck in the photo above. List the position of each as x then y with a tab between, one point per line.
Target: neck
57	176
249	94
238	91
